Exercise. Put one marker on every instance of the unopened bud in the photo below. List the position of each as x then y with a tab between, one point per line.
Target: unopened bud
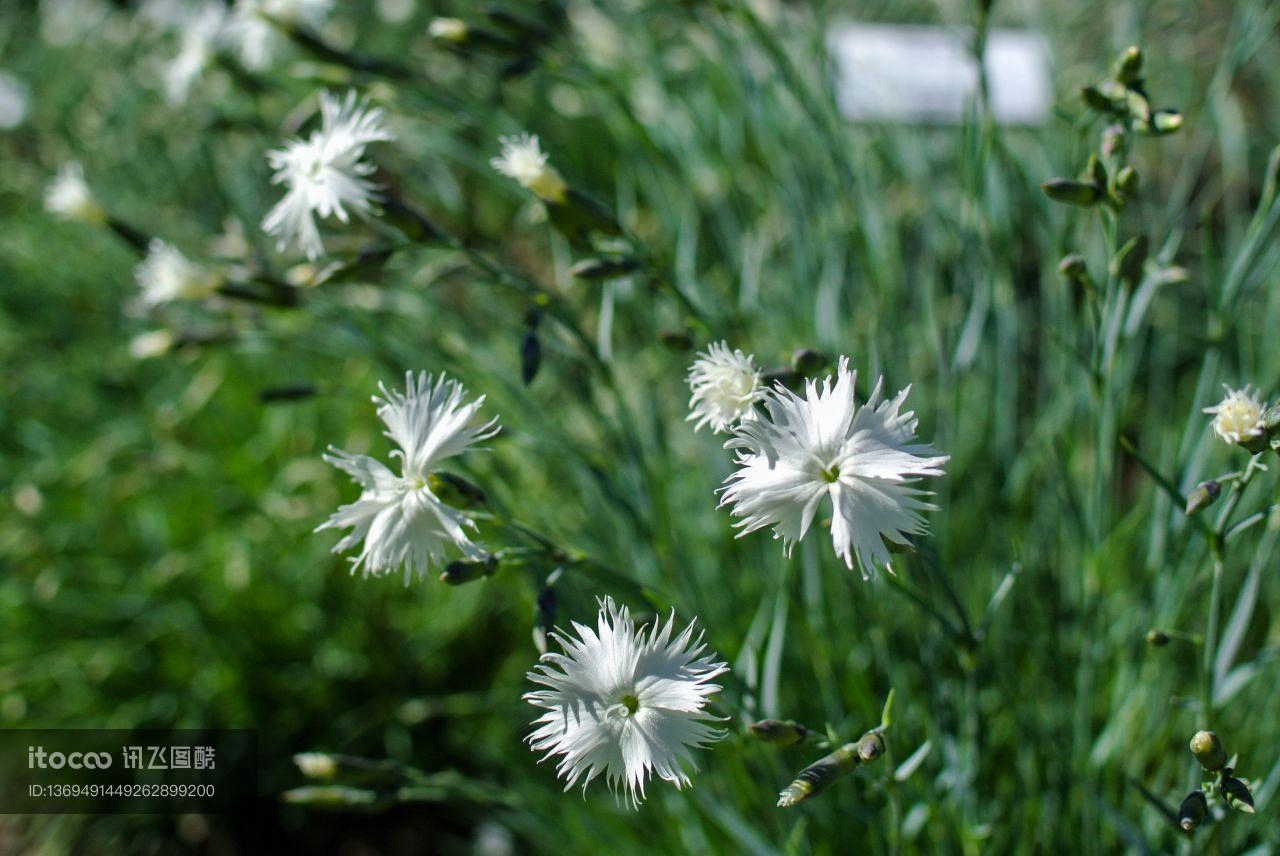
1139	106
604	268
675	340
1094	97
316	765
1204	495
1115	140
453	30
468	570
1073	267
1272	419
1127	182
1193	811
454	490
870	746
780	732
1208	751
1128	66
1237	794
819	775
1166	121
1095	172
1072	192
1157	638
807	362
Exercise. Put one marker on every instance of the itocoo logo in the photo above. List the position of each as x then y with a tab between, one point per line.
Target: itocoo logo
37	757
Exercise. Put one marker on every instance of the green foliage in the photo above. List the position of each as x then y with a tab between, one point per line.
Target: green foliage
157	561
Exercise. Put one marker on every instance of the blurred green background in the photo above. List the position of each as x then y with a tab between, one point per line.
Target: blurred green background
157	561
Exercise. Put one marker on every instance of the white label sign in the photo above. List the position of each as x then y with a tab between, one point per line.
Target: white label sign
928	74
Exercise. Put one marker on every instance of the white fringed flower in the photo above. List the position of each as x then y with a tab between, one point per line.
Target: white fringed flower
1240	416
324	173
398	517
201	30
166	275
726	387
825	445
624	703
523	159
255	36
68	197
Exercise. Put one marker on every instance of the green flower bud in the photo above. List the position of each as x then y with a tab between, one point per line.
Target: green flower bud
455	491
1237	794
1204	495
808	362
870	746
1166	121
1127	182
819	775
1130	259
1094	97
1208	751
604	268
1115	140
465	571
1128	66
1139	106
1072	192
675	340
1095	172
1193	811
1272	419
1157	638
1073	267
780	732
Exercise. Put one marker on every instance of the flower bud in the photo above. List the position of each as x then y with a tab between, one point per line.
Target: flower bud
604	268
1139	106
1115	140
1208	751
455	491
1072	192
780	732
451	30
1205	494
1094	97
870	746
1126	183
1157	638
815	778
1128	66
1095	171
1073	267
468	570
808	362
1237	794
1193	811
1166	121
316	765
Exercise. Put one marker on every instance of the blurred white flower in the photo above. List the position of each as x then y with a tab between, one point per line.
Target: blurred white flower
448	29
825	445
726	386
68	197
624	703
256	38
398	517
523	159
15	101
166	275
153	343
1239	417
201	30
324	173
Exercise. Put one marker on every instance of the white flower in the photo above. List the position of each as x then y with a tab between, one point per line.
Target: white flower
398	517
256	37
68	197
726	386
624	703
201	31
825	445
1239	418
523	159
324	173
166	275
154	343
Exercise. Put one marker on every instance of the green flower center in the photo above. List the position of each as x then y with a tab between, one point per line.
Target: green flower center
831	474
631	703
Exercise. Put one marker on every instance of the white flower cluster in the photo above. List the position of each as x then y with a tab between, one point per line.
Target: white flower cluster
805	449
1240	417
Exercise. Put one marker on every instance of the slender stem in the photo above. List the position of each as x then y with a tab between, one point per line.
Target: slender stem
1211	638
